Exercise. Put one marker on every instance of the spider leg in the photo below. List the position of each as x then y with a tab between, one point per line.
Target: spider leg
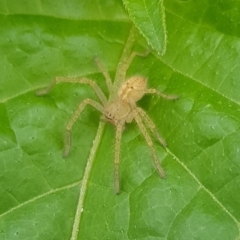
132	56
149	142
120	74
155	91
105	73
75	116
125	65
150	124
119	129
90	82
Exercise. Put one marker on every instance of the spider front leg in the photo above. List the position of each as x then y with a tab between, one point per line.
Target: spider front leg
75	116
87	81
119	129
148	139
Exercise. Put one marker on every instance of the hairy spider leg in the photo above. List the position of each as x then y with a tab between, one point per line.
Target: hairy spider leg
105	73
119	129
127	50
73	119
155	91
147	120
150	124
148	139
125	65
81	106
79	80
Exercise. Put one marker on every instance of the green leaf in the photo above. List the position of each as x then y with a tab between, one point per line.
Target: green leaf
149	17
40	189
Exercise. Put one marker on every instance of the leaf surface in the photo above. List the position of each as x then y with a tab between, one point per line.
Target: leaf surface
40	189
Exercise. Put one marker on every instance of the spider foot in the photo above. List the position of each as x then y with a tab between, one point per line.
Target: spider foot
116	187
45	90
161	172
67	144
172	97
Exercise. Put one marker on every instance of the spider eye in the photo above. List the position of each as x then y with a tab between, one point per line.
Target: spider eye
109	116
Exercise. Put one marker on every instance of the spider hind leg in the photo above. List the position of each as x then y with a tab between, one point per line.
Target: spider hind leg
73	119
148	139
149	123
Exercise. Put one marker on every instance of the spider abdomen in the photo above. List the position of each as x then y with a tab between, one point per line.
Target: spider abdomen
133	89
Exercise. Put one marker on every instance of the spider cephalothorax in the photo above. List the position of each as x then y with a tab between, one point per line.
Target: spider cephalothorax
119	109
117	112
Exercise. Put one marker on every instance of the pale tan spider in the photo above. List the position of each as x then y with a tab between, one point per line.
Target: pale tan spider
118	109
